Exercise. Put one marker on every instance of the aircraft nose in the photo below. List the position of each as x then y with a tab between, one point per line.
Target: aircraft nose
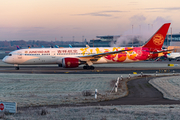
4	59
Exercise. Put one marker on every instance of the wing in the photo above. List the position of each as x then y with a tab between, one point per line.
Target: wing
95	57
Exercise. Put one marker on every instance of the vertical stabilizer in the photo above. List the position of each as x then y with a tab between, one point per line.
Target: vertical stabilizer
157	40
18	47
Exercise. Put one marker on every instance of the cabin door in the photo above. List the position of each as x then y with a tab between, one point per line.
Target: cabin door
53	54
19	55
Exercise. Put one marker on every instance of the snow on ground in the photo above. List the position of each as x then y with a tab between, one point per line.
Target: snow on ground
169	86
51	89
123	112
42	89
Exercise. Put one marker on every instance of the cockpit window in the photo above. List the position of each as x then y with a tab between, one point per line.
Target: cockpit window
10	54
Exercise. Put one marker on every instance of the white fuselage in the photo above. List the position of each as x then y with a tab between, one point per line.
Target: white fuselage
173	55
55	55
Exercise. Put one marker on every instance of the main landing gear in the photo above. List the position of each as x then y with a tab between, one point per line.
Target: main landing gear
87	67
16	68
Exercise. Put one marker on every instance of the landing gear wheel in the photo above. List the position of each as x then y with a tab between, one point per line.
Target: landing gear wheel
85	67
59	65
16	68
91	67
88	67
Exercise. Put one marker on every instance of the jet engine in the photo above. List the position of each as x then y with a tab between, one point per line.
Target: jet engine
70	62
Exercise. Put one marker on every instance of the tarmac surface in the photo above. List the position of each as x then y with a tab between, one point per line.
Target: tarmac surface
118	68
140	93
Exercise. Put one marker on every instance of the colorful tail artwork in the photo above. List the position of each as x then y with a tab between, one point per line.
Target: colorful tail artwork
156	41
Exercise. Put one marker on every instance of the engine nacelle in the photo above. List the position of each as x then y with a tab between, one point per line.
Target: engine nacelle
70	62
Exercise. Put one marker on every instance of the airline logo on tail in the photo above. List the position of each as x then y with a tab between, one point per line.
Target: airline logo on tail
158	39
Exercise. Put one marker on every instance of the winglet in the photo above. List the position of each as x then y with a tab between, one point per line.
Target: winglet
157	40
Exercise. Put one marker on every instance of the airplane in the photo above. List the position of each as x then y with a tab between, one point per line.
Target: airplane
74	57
173	56
10	51
163	55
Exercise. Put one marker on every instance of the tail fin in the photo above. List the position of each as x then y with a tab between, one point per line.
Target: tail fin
56	46
157	40
18	48
70	46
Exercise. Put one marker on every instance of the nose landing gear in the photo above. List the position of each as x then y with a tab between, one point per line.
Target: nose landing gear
16	66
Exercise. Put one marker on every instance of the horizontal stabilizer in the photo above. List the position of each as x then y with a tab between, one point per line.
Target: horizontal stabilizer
162	51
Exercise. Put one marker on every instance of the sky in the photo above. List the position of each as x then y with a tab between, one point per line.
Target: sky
51	20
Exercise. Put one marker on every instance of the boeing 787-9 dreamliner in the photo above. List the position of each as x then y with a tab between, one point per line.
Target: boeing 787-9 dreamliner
73	57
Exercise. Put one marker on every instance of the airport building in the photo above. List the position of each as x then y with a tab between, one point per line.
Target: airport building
103	41
129	41
107	41
111	40
172	40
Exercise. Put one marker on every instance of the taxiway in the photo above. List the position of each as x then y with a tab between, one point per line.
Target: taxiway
118	68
